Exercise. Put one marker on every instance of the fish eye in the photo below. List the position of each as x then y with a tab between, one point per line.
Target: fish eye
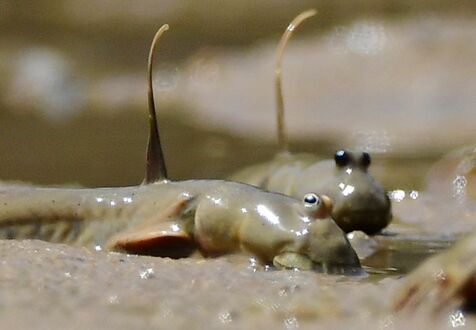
311	201
342	158
365	159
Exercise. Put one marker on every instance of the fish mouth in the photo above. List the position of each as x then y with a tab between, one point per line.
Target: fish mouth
370	221
342	260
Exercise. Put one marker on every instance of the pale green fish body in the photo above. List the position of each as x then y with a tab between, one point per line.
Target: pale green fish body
360	202
75	216
214	216
280	174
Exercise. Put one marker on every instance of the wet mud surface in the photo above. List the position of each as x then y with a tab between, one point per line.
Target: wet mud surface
53	286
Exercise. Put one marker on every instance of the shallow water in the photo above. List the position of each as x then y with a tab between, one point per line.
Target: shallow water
401	256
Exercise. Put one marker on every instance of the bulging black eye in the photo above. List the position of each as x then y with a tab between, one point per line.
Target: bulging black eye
310	198
312	202
365	159
342	158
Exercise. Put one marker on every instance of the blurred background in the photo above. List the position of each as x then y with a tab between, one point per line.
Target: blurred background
396	78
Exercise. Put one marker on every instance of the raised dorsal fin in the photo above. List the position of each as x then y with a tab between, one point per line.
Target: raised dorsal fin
155	163
282	136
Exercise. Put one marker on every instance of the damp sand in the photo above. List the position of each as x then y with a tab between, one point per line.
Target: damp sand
54	286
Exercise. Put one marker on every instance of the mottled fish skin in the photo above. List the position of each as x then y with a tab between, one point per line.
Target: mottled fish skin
76	216
360	202
227	217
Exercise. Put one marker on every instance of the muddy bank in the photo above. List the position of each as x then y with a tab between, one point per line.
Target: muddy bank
51	286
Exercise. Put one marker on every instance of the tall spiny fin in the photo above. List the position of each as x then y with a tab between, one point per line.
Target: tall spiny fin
282	137
155	163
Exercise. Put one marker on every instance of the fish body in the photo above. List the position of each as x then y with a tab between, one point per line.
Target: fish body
360	202
74	216
175	218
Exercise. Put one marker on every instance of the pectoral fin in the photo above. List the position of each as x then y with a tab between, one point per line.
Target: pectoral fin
168	234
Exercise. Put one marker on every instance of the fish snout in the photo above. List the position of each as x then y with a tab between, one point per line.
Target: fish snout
329	247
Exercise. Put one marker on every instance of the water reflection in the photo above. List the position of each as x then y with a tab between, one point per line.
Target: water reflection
203	71
44	79
365	38
166	78
372	141
362	38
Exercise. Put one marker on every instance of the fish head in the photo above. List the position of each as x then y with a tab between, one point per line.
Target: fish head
359	201
273	227
322	244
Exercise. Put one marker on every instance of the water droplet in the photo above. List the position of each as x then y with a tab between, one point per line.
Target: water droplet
397	195
459	187
387	322
291	322
414	194
226	317
457	319
146	274
114	299
67	274
98	248
253	264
